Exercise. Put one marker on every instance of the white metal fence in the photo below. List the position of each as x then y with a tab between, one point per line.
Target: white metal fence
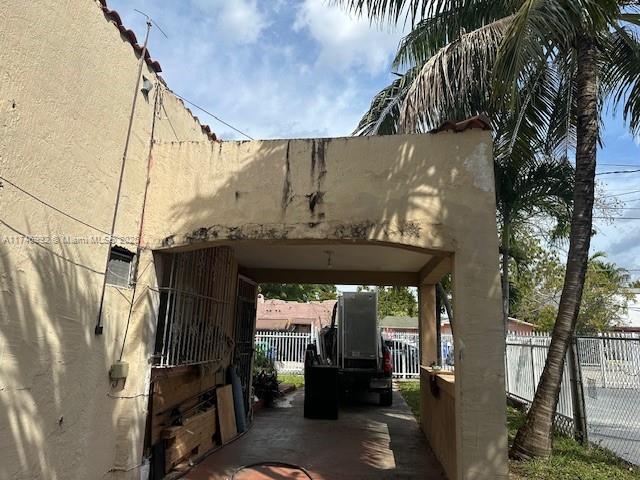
525	357
286	349
405	352
610	371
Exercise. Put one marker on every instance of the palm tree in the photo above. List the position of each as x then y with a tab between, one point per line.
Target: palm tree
530	179
560	59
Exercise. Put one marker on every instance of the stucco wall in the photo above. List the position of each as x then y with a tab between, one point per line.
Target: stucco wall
67	79
416	190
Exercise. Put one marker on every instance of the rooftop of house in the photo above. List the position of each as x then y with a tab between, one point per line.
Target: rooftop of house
282	315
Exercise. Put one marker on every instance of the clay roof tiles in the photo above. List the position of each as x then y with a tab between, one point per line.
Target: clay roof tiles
481	122
154	65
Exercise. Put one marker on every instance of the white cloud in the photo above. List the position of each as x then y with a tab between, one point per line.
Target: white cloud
237	21
346	40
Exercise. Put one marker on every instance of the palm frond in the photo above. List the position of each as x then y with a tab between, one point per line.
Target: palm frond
384	112
455	82
622	75
442	27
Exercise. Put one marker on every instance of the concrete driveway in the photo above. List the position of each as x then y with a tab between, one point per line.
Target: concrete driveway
366	442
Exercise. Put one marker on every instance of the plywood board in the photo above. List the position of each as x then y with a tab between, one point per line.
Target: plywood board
226	413
193	437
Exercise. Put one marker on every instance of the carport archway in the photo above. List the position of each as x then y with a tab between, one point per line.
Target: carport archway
398	210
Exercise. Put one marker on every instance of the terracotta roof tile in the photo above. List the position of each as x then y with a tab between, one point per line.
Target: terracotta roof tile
114	16
481	122
154	65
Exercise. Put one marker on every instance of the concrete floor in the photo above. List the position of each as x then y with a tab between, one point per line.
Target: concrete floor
366	442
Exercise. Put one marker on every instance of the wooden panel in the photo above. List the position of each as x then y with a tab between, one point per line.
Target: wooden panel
193	437
226	413
180	389
437	414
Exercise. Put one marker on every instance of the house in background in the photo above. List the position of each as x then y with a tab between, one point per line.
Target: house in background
630	322
400	324
297	317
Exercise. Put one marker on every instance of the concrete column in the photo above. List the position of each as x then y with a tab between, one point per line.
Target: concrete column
427	324
480	403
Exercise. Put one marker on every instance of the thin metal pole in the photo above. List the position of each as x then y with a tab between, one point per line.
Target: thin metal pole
98	328
577	394
438	328
141	228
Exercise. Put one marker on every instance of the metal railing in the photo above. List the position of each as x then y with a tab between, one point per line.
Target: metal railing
405	352
285	349
191	333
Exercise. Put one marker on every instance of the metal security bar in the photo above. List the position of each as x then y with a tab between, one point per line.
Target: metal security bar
194	324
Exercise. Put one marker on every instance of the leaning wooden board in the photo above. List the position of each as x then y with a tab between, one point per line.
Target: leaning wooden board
226	413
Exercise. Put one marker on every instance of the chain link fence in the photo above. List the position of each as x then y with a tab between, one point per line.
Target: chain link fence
610	371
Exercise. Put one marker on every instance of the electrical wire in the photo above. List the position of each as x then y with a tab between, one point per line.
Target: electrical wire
618	164
621	194
212	115
53	207
615	172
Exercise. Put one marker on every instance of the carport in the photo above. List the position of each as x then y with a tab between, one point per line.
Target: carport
396	210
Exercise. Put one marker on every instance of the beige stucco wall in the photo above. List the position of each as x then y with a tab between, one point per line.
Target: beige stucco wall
66	84
414	190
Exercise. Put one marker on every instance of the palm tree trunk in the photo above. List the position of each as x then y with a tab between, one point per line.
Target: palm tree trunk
506	233
534	437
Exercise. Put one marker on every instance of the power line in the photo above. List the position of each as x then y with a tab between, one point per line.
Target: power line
621	194
615	218
618	164
214	116
615	172
621	208
52	207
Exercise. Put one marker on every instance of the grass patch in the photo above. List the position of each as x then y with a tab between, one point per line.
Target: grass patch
291	379
410	391
569	460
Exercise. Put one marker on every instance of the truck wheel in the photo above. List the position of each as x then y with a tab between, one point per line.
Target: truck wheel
386	398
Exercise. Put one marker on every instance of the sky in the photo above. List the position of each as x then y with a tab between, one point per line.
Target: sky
302	68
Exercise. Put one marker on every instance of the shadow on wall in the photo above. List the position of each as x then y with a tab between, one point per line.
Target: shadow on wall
56	420
323	189
44	341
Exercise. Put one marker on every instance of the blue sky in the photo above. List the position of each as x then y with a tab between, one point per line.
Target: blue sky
300	68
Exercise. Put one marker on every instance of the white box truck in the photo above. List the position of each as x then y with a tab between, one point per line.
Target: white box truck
354	343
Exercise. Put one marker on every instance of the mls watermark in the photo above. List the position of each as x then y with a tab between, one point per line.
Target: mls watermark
67	240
